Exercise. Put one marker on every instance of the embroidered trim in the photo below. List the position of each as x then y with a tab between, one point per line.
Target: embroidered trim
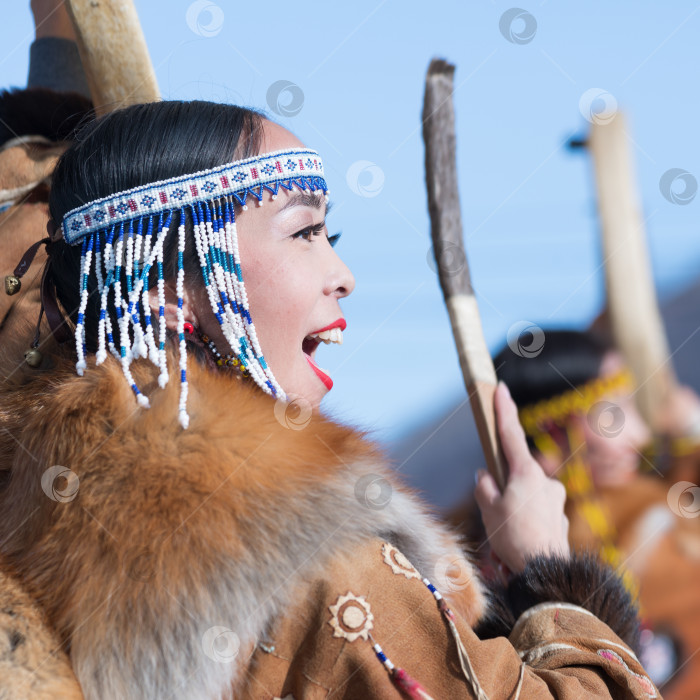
647	685
252	176
541	607
25	140
398	562
9	198
406	683
351	617
529	656
627	651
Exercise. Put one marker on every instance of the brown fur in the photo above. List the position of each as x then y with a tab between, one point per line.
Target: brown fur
32	664
172	531
581	580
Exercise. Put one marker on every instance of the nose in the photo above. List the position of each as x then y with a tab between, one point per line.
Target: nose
340	281
636	430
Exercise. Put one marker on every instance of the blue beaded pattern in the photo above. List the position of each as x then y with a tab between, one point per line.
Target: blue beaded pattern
298	167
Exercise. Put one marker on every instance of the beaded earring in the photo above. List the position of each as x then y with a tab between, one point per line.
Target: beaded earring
228	360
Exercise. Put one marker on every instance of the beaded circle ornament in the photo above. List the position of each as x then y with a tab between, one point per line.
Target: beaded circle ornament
123	236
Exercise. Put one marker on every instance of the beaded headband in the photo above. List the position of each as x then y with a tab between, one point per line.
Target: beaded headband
124	235
536	418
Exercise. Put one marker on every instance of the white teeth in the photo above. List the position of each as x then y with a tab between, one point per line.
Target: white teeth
334	335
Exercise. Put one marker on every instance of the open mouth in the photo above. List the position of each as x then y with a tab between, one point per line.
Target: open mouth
327	335
309	345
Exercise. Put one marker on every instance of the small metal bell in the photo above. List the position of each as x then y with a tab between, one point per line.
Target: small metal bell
33	357
12	285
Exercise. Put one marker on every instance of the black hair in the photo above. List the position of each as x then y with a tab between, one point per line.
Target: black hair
131	147
567	359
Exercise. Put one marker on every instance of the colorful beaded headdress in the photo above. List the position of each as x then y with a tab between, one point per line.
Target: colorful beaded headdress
124	235
537	418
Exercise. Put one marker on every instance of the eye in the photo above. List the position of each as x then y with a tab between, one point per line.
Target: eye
306	234
310	231
334	238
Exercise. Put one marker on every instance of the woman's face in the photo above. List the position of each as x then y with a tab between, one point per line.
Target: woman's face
293	278
614	432
615	436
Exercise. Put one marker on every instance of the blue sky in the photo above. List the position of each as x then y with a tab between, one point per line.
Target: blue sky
354	77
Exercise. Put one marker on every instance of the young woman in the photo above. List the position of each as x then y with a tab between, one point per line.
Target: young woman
180	534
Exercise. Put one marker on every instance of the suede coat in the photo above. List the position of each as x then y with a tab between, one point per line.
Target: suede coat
25	170
36	126
245	557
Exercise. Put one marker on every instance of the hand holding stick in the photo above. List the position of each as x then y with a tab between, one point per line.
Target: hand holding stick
527	517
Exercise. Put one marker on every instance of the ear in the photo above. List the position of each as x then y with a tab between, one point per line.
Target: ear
188	306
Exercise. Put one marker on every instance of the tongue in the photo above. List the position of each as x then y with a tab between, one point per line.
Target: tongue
327	381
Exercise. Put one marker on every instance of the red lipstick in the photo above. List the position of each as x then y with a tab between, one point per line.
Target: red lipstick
340	323
327	381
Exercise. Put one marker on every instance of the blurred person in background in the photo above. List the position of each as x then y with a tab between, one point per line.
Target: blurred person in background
576	403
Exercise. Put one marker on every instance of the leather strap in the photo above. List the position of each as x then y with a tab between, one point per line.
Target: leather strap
49	304
28	258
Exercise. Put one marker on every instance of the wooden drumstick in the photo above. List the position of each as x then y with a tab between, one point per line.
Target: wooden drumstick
453	270
635	318
114	53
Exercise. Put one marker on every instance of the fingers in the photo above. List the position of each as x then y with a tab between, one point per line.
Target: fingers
510	431
558	492
486	491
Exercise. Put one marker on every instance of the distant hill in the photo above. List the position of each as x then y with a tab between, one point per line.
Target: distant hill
440	458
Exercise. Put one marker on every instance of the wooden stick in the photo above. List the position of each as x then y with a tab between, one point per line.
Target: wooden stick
634	312
453	270
114	53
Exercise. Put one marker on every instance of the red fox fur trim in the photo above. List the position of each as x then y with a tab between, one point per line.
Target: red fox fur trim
32	664
175	531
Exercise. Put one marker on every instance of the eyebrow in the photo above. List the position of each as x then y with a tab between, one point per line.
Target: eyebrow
304	199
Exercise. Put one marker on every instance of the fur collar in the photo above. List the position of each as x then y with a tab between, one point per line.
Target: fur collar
173	532
40	111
